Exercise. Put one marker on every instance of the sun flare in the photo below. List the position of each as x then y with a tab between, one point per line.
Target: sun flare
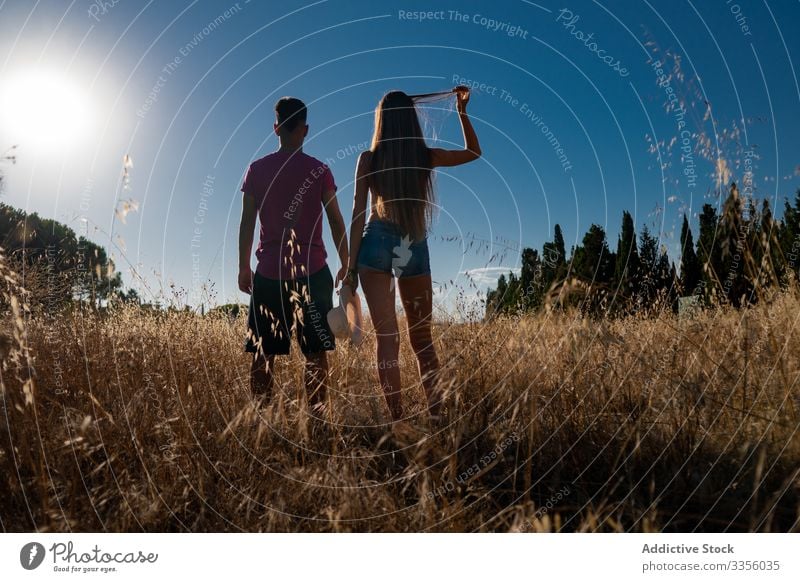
43	110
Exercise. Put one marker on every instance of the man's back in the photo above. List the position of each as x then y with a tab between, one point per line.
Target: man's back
288	188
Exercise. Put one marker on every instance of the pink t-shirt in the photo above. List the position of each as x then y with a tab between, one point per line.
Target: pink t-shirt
288	188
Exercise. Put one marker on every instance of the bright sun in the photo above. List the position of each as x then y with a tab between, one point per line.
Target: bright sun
42	110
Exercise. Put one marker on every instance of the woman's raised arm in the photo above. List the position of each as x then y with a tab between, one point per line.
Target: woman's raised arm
472	149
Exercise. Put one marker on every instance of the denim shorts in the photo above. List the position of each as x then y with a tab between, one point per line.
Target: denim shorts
384	248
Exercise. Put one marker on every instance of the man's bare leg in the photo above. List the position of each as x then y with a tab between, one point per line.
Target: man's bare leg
316	378
261	377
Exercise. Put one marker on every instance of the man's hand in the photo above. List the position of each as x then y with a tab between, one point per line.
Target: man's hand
246	280
338	231
246	228
340	276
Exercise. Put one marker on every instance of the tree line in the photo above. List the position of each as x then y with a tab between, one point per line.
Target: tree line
741	252
58	266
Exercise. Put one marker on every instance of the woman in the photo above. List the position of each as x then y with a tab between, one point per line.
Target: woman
396	170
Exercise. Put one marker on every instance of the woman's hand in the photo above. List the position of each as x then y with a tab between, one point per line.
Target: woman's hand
472	149
351	279
462	96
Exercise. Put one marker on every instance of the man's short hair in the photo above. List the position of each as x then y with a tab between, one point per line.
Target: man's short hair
290	112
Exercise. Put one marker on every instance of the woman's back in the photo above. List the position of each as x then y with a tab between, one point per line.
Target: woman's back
399	167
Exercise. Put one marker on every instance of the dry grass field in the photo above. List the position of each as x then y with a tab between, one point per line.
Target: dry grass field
141	421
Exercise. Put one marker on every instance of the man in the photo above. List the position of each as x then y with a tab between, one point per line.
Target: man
292	287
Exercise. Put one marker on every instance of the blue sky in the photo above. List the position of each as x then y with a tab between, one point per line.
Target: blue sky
571	113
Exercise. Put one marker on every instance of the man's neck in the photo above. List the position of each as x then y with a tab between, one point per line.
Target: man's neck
291	148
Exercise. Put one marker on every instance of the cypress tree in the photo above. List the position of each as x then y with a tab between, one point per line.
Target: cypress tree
690	267
709	248
627	263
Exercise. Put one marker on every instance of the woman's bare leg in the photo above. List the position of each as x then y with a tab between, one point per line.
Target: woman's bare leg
380	295
416	294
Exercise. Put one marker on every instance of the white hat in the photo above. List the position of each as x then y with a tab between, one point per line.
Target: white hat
345	319
337	321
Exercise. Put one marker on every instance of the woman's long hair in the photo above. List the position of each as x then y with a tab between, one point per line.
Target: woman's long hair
400	177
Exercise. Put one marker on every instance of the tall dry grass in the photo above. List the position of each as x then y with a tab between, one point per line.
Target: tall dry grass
141	420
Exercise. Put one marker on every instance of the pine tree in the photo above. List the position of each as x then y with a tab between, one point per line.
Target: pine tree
531	279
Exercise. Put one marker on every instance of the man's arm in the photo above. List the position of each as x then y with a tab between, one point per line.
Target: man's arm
338	231
247	227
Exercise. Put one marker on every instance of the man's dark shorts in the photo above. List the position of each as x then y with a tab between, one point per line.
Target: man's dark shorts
279	307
